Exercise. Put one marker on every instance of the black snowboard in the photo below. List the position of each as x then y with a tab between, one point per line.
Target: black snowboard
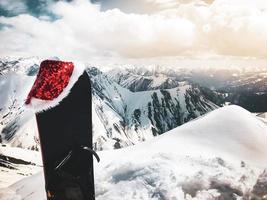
66	142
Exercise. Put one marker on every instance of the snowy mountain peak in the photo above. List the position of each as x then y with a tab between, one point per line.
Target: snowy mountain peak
231	130
142	115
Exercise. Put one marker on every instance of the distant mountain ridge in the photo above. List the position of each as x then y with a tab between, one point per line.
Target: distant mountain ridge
246	87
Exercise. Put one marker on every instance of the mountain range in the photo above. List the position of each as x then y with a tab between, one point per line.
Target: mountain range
121	117
161	134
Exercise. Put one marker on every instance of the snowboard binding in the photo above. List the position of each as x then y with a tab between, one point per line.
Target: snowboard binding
68	183
75	152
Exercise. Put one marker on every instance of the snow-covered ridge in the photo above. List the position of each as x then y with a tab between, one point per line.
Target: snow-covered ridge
218	156
24	66
230	79
142	115
143	79
120	117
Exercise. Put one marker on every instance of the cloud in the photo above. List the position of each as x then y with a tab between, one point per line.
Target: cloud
144	6
237	31
84	31
37	8
14	6
190	29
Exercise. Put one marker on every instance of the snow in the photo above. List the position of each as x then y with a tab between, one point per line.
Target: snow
158	80
10	176
104	119
14	89
25	154
34	190
11	87
262	115
223	149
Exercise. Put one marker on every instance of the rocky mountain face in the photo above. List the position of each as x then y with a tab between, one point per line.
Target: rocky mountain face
142	115
120	117
136	80
22	66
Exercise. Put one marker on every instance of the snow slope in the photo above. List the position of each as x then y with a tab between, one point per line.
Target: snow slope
17	163
221	155
17	126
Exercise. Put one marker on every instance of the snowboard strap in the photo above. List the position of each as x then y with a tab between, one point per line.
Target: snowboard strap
92	152
65	160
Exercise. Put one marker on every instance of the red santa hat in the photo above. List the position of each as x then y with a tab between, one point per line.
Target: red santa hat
53	83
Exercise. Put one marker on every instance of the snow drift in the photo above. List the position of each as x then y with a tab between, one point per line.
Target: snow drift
221	155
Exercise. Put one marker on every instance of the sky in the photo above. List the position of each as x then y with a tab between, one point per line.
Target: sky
136	30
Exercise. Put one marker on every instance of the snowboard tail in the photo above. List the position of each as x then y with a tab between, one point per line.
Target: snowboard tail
66	142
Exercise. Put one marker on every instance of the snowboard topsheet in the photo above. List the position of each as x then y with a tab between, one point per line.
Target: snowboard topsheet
65	132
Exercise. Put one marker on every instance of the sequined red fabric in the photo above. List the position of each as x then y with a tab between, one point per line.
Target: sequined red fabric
52	78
